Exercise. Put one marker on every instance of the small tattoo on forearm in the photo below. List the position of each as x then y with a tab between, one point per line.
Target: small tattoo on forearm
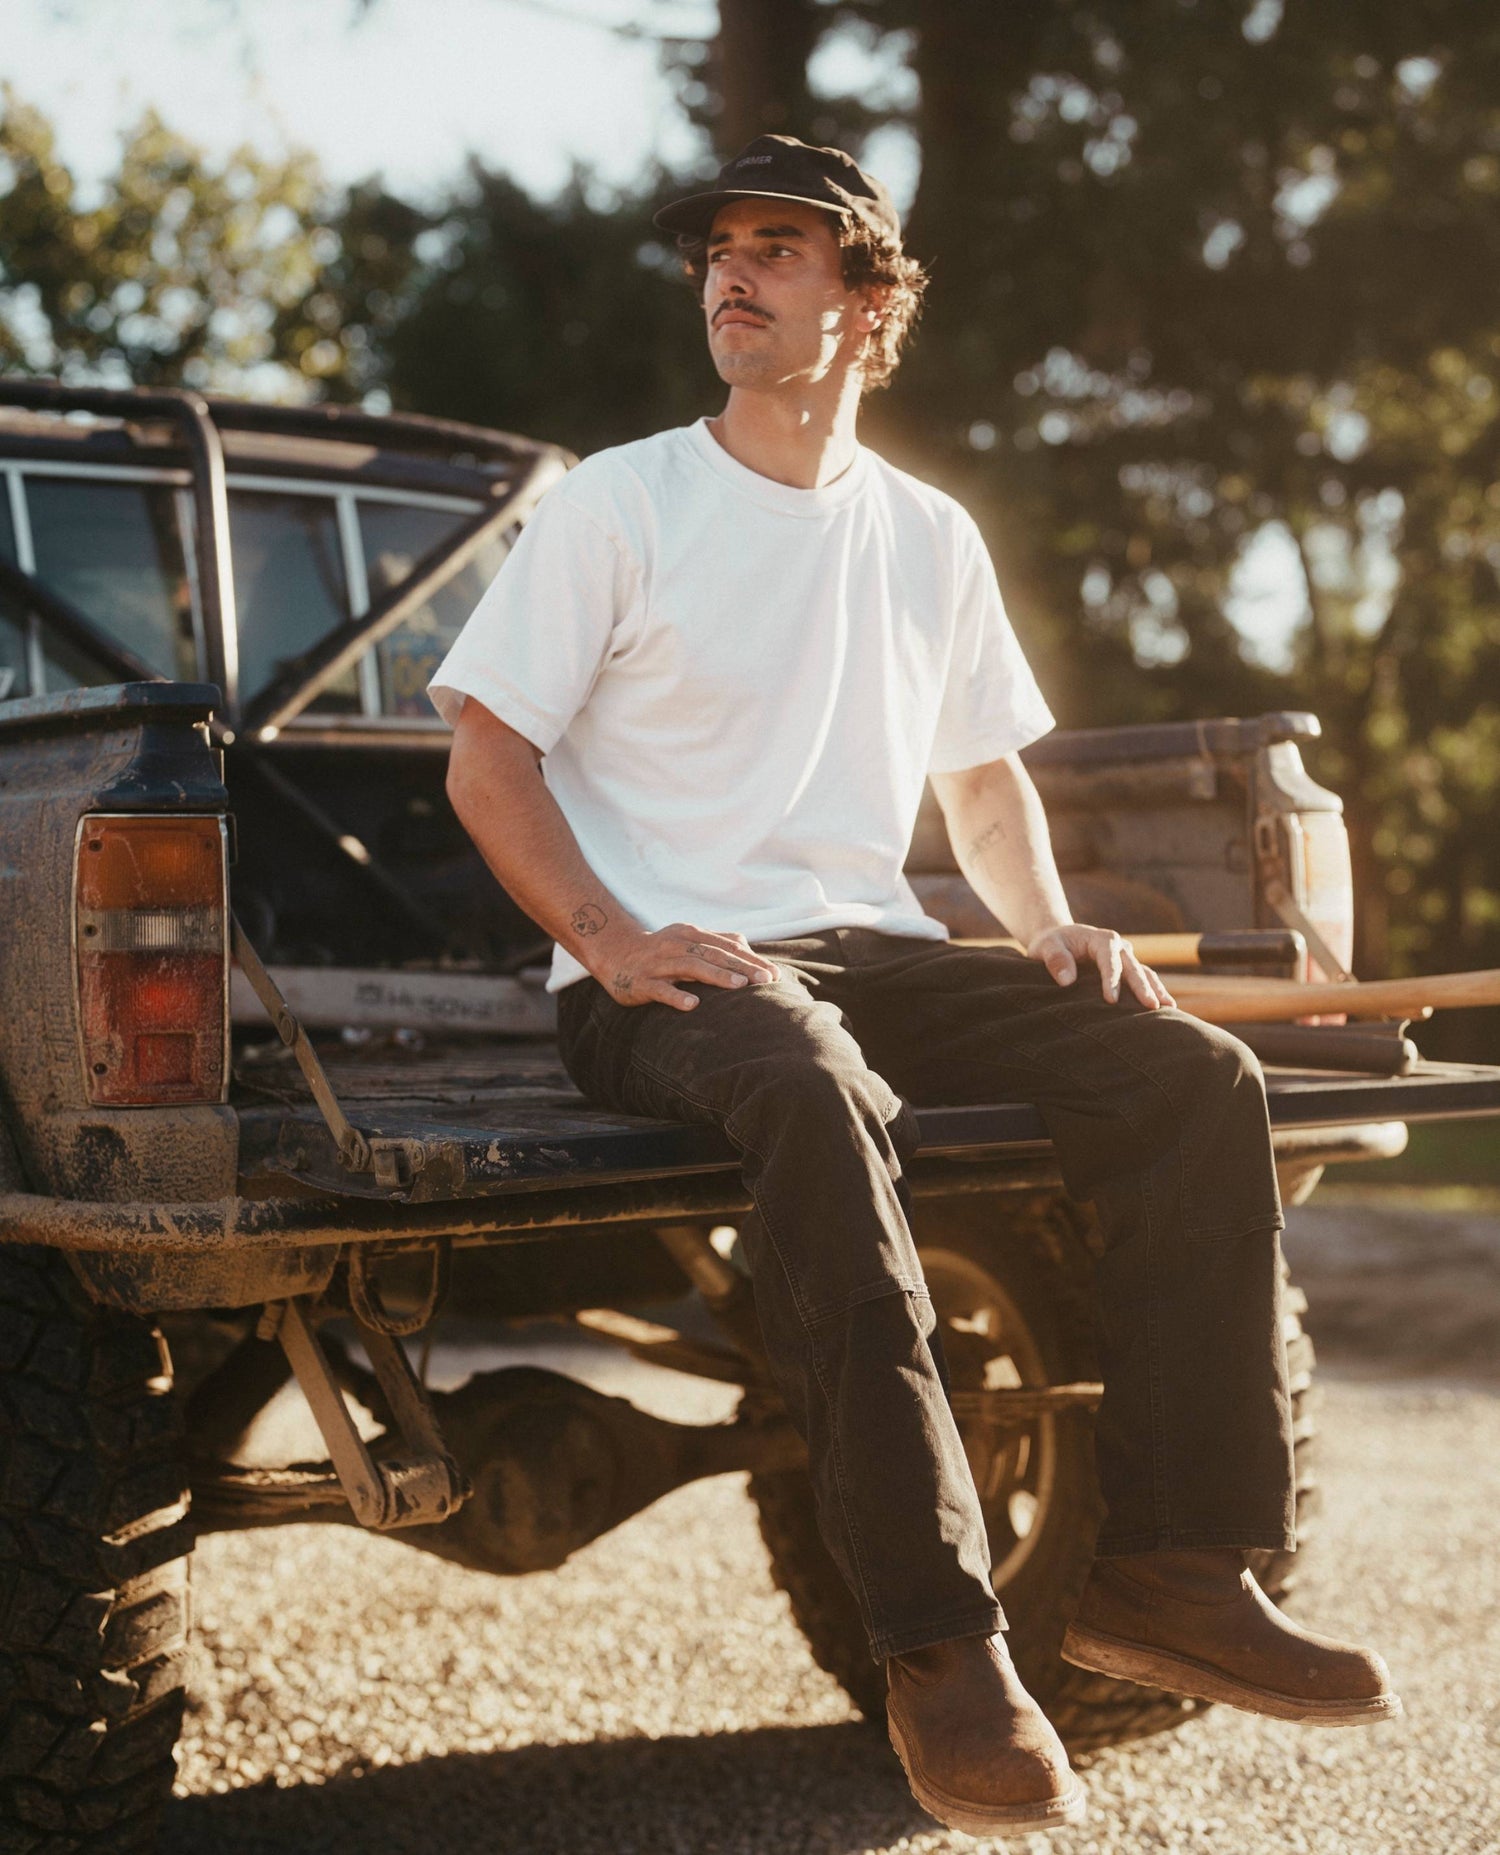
988	838
588	919
623	982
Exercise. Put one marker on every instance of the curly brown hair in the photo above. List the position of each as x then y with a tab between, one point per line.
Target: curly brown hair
868	260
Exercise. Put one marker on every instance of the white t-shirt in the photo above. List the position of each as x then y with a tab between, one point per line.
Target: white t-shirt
739	687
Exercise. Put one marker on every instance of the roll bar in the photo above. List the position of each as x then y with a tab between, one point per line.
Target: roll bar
202	419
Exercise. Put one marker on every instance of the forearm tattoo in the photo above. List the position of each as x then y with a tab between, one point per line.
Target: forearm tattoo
588	920
990	838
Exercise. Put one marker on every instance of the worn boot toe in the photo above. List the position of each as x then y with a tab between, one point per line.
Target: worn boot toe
1197	1623
980	1755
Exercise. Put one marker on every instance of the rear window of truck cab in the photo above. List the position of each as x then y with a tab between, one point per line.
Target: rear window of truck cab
308	560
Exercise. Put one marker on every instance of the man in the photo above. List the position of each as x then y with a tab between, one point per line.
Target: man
735	651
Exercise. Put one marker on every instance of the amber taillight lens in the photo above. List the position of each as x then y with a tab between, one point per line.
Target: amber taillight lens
153	991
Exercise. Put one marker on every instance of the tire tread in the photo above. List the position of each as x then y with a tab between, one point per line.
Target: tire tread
94	1539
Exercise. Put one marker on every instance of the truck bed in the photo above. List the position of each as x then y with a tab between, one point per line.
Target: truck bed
487	1117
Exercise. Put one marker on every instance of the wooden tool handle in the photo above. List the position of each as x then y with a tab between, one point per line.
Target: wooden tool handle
1236	946
1232	1000
1244	1001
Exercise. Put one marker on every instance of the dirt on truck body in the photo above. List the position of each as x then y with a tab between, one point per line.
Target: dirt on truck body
278	1089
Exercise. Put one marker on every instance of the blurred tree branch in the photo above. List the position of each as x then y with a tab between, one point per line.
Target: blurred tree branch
237	276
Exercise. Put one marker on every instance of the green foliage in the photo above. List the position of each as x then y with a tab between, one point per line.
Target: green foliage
1440	1154
567	318
1205	275
231	277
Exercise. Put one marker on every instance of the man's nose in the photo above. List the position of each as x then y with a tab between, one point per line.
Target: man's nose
731	277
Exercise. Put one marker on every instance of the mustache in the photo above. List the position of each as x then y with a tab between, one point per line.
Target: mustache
743	309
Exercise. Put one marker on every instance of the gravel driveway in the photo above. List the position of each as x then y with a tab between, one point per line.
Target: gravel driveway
654	1697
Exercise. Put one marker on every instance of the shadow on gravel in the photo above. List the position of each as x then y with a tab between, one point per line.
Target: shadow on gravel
828	1789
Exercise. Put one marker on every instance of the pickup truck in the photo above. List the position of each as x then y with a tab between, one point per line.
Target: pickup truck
278	1090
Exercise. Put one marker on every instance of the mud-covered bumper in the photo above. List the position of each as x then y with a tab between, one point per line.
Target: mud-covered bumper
469	1183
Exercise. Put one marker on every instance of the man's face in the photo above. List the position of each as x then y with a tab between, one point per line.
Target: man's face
775	301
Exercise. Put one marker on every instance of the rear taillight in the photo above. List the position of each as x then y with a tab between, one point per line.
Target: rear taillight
153	967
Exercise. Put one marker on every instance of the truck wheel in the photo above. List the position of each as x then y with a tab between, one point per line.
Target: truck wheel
1010	1280
94	1542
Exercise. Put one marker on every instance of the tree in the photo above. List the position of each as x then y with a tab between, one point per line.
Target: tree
566	318
232	276
1204	276
759	70
1209	279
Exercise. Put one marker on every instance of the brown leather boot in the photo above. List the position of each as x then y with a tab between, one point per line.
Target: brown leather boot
980	1755
1197	1623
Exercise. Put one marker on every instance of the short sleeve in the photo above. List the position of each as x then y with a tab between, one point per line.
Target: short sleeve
532	648
991	702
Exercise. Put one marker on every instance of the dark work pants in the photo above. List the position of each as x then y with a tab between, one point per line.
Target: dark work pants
1157	1117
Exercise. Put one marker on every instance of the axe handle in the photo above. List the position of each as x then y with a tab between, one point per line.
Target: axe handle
1244	1001
1224	1000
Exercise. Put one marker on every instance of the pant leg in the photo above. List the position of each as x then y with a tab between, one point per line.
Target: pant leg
1161	1120
847	1320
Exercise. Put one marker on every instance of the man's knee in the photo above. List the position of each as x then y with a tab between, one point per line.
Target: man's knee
1229	1177
1207	1058
817	1089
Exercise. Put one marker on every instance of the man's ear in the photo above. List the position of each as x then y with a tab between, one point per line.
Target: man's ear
874	300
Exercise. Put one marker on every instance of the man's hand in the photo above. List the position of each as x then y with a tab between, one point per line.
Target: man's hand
1062	949
637	968
998	829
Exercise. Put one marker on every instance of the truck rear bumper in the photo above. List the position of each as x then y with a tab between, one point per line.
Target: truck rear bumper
538	1136
308	1223
575	1170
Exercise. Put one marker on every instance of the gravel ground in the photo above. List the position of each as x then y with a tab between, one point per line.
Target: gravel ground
1397	1287
654	1696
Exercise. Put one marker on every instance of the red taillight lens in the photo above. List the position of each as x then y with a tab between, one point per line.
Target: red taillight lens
153	990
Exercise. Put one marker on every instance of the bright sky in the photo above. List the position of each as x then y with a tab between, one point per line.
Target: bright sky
413	88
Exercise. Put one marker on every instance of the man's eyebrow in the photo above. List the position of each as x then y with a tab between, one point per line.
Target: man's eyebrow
761	231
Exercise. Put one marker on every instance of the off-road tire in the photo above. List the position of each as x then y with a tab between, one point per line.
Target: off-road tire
94	1542
1037	1249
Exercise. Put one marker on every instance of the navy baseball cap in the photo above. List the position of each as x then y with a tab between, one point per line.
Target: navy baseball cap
779	167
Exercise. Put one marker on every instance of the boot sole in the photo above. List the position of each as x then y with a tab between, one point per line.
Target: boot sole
1181	1674
1011	1819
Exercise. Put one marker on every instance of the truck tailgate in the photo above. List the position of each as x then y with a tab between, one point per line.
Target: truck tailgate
484	1118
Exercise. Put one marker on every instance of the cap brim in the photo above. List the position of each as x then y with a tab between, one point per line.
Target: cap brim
696	212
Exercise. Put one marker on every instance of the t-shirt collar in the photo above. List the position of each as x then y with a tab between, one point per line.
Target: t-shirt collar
783	497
